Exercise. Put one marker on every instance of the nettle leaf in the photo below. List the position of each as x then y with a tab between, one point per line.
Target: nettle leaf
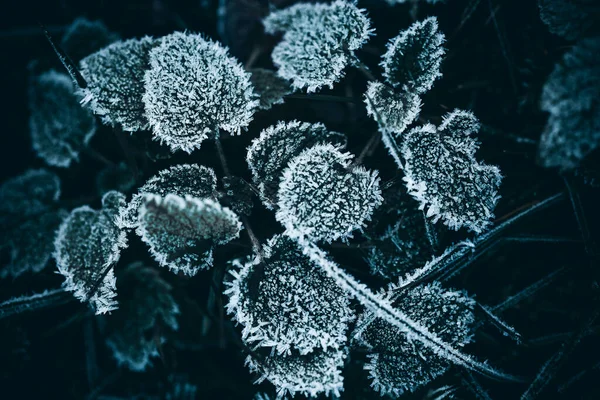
441	172
193	89
237	195
117	177
184	179
145	304
392	110
322	196
87	247
181	232
29	216
84	37
572	97
397	363
318	43
60	128
270	153
310	375
284	302
571	19
270	88
413	58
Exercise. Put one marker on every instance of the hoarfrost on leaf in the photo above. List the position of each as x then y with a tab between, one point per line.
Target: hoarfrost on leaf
322	196
572	97
283	301
441	172
571	19
84	37
318	43
87	246
60	128
276	146
413	58
115	82
270	88
193	89
181	232
392	110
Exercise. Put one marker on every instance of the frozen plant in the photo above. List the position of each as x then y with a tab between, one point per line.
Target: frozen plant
393	110
571	19
84	37
270	88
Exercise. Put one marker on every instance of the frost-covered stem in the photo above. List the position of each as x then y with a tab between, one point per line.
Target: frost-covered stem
222	158
382	308
369	146
507	330
386	135
66	61
127	152
474	387
364	70
323	97
38	301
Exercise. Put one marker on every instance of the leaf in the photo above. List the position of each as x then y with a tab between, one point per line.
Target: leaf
393	111
84	37
570	19
115	177
270	88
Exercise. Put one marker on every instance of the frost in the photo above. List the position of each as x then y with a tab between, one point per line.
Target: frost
270	88
284	302
309	375
134	338
182	232
60	128
270	153
572	97
571	19
444	176
115	82
398	363
115	177
322	196
184	179
193	89
87	246
29	216
393	111
84	37
237	195
318	43
413	58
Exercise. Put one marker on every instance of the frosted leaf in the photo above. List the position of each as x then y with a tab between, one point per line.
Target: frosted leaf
413	58
237	195
572	97
322	196
115	82
398	364
29	216
394	111
184	179
84	37
115	177
182	232
310	375
270	88
87	246
270	153
60	128
444	176
318	43
193	89
286	303
145	304
571	19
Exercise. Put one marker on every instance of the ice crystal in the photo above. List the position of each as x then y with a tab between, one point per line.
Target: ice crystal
184	179
284	302
318	43
322	196
397	362
117	177
572	97
146	302
571	19
60	128
193	89
115	82
270	88
270	153
84	37
87	246
444	176
413	58
181	232
392	110
29	216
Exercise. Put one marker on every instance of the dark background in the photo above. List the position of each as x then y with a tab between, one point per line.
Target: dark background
497	60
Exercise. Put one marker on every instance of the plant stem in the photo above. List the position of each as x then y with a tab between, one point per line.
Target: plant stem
46	299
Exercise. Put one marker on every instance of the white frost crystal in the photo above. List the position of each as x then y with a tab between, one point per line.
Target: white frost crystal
193	89
60	128
318	43
393	111
115	82
270	153
87	247
285	302
322	196
441	172
182	231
